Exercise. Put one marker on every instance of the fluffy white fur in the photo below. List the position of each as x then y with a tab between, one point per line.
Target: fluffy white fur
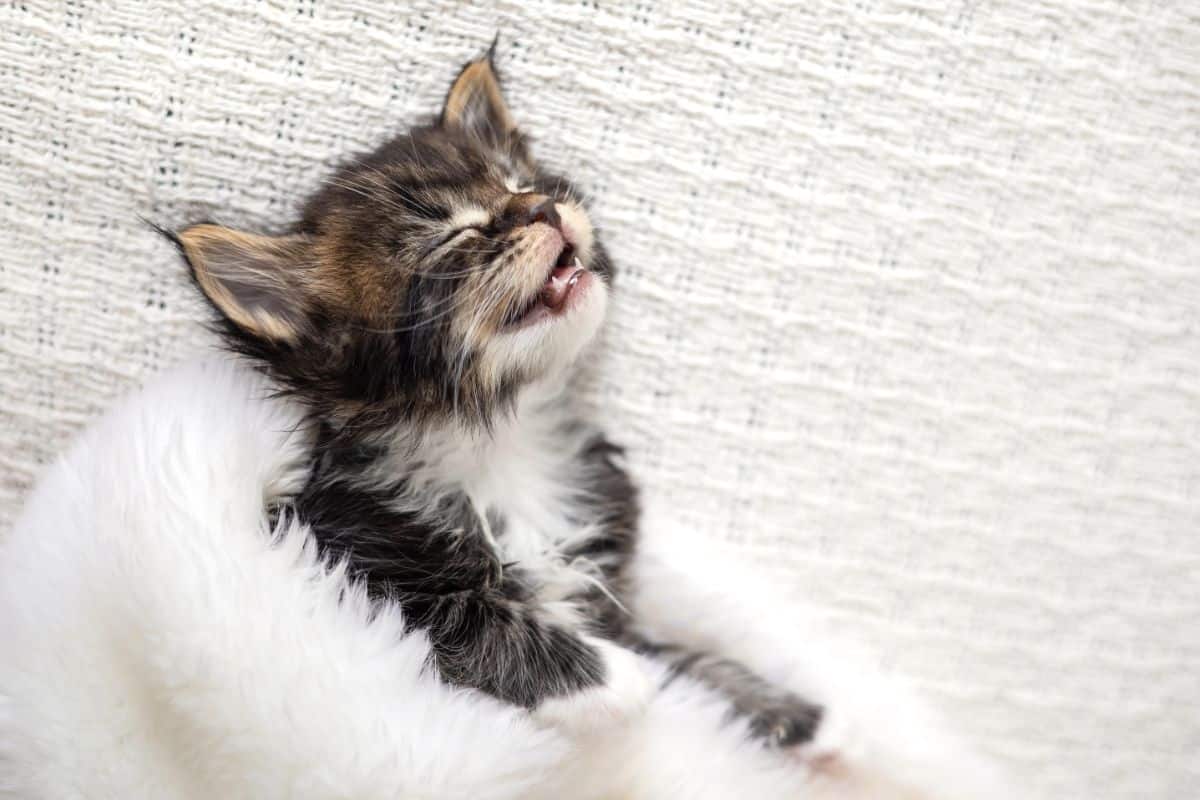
156	644
158	641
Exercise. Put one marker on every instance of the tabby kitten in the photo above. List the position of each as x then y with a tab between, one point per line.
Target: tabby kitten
427	310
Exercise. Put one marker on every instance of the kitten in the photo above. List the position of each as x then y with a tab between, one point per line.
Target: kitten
427	310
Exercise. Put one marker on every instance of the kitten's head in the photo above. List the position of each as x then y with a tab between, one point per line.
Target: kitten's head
429	279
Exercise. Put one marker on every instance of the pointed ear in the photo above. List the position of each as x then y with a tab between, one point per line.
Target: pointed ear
476	105
259	283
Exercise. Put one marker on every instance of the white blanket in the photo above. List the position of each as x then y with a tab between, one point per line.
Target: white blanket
159	641
909	314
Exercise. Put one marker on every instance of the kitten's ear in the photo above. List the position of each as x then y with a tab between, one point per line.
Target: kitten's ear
259	283
476	105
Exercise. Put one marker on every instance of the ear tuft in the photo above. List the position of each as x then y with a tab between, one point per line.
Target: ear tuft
475	103
259	283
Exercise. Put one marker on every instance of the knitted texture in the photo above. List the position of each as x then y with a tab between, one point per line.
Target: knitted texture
909	310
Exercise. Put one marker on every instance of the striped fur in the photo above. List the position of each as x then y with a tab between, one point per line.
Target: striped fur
449	469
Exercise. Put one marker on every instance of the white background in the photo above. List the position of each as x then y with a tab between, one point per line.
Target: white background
909	306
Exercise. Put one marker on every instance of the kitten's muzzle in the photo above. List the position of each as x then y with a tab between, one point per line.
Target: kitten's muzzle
564	277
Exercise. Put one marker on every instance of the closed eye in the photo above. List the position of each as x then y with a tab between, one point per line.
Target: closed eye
452	235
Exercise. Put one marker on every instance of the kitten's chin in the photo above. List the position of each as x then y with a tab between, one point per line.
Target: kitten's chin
554	335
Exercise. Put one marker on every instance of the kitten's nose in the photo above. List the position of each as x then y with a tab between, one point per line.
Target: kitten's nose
526	209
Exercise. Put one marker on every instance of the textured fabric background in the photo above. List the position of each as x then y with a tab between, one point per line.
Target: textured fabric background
910	309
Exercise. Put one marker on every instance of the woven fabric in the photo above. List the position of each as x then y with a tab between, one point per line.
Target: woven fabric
909	309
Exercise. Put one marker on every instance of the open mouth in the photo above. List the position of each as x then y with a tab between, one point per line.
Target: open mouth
562	282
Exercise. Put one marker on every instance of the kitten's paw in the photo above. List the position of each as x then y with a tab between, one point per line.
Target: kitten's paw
786	722
623	695
833	744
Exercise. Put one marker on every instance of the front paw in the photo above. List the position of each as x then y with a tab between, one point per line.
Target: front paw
623	695
787	722
835	742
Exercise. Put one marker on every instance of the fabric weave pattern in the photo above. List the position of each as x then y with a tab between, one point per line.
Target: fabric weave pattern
909	309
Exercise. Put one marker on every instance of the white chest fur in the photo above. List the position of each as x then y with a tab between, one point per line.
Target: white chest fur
526	483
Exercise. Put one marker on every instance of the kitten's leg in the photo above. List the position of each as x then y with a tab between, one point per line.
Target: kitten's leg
775	715
508	648
873	730
487	628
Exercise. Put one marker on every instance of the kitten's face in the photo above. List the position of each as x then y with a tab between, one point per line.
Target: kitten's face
428	279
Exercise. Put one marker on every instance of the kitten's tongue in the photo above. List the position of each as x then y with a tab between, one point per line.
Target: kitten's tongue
559	284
